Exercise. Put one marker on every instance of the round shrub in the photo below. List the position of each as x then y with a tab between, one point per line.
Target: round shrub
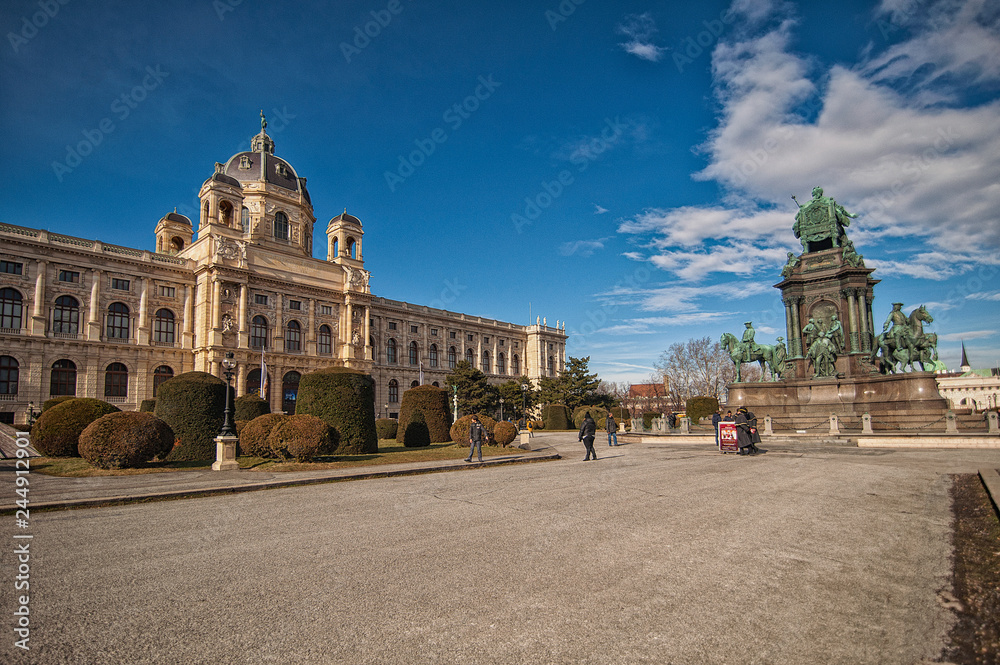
433	402
147	406
556	416
254	436
239	425
345	399
300	436
49	403
699	407
250	406
386	428
417	434
56	433
193	404
504	433
125	440
460	430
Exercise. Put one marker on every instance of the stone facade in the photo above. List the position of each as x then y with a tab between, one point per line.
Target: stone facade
975	389
94	319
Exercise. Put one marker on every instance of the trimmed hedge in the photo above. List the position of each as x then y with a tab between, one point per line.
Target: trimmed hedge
300	436
49	403
57	431
147	406
193	405
125	440
647	418
433	402
345	399
504	433
460	430
249	407
556	416
417	434
386	428
699	407
254	436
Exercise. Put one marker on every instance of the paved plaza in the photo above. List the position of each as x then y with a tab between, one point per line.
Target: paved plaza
655	553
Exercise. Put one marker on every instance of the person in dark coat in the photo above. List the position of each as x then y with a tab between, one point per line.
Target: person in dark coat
477	435
754	433
612	428
742	432
587	432
716	419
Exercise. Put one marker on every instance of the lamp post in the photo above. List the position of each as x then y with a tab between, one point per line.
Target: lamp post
501	408
228	366
454	402
32	416
524	400
386	410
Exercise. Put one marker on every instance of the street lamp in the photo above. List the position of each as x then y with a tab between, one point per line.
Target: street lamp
501	408
228	366
524	400
32	416
386	410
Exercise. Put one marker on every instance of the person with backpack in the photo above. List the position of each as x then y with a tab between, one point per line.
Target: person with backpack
587	433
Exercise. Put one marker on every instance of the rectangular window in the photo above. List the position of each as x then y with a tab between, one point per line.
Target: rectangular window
503	342
470	337
295	304
259	299
12	267
413	329
392	325
486	340
434	332
119	284
168	291
451	335
326	309
69	276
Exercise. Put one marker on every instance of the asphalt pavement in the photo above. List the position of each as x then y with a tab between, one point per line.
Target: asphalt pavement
654	553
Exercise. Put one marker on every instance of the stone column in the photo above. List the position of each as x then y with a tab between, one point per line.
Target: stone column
216	303
349	332
796	340
789	326
94	320
855	334
241	379
368	333
142	329
187	336
311	332
869	322
38	316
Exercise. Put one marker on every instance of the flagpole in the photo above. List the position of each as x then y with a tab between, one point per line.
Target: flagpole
263	373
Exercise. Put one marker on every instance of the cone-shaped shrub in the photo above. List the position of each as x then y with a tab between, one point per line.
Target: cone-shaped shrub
193	404
460	430
125	440
433	402
254	437
300	436
57	431
345	399
250	406
504	433
556	416
386	428
416	435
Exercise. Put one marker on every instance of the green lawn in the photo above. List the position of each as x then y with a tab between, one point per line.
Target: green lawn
389	452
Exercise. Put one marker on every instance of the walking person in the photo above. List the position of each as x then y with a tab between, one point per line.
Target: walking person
716	419
477	434
754	434
587	433
743	441
612	428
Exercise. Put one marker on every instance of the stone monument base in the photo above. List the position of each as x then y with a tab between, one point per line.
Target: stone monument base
899	401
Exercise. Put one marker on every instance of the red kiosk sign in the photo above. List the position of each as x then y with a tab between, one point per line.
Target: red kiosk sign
727	438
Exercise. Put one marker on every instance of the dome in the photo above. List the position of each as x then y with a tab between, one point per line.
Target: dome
346	219
176	217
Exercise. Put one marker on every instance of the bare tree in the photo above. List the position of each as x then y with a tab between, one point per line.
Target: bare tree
696	367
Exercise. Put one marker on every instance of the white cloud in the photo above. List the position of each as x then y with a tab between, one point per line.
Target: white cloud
680	300
639	29
889	139
966	335
991	295
599	209
584	248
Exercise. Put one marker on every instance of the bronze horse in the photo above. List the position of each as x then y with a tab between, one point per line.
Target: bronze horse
764	354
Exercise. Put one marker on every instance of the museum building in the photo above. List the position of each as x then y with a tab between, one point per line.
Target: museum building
92	319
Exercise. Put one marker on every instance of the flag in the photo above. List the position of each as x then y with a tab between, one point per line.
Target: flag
263	375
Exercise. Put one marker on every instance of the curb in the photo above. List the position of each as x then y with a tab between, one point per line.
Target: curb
267	485
991	481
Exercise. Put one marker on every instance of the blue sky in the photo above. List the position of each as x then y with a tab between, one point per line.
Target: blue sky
624	167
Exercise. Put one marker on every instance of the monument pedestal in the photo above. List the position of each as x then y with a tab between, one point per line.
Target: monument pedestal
225	453
898	401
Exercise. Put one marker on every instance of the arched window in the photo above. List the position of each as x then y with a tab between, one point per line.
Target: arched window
226	213
393	391
161	374
373	352
289	391
414	384
552	366
66	316
204	212
324	340
432	354
118	321
486	362
436	384
451	357
163	327
245	219
258	333
470	357
116	381
352	248
515	365
293	337
254	387
336	247
390	351
9	374
501	364
176	244
63	379
280	226
10	309
414	354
